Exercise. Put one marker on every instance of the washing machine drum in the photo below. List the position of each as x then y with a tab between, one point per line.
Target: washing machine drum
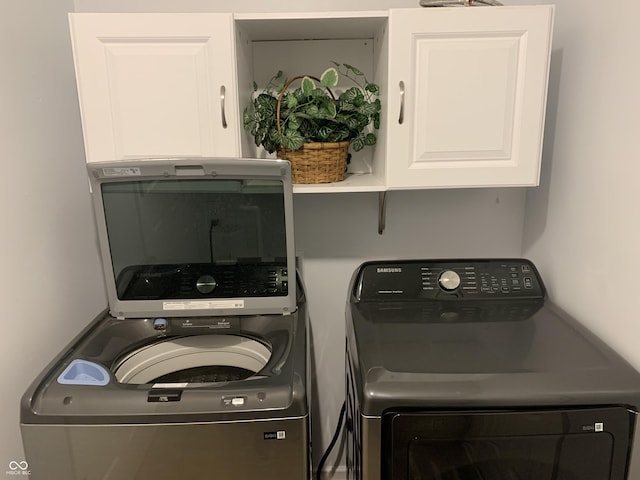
194	359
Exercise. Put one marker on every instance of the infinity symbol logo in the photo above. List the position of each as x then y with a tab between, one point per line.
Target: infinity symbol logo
13	465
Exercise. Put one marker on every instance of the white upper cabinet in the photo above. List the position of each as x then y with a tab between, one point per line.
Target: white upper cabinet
156	85
463	89
466	96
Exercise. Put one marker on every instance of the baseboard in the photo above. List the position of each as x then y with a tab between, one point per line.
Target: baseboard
338	473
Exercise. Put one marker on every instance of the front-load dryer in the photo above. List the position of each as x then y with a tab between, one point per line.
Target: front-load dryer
198	369
461	369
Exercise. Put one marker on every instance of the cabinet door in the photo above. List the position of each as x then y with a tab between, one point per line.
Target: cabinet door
467	95
156	85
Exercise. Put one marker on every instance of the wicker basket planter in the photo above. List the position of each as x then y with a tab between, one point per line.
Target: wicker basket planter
317	162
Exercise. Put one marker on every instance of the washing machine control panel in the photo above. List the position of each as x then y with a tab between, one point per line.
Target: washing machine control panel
449	280
203	280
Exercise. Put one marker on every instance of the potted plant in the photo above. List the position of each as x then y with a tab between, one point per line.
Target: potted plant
310	126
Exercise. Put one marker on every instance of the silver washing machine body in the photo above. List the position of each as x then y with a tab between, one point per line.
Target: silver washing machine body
125	401
198	369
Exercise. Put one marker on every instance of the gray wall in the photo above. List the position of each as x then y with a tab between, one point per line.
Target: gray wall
51	282
583	223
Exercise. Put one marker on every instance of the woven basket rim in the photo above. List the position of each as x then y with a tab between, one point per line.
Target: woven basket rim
318	146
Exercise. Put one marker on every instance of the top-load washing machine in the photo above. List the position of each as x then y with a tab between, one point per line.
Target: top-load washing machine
199	368
462	370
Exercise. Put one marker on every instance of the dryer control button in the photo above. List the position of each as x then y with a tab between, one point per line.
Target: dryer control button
449	280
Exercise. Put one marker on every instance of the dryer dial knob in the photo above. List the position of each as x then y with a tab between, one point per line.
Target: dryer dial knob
449	280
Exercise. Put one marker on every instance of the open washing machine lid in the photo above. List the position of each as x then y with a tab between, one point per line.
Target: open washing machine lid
194	359
194	237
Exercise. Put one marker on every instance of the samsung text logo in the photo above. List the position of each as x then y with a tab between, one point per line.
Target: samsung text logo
389	270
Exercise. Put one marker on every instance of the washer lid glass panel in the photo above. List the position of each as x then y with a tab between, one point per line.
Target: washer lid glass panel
185	242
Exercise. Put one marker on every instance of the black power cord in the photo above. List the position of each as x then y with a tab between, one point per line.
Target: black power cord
332	444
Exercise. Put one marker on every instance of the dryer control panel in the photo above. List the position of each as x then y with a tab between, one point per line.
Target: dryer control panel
477	279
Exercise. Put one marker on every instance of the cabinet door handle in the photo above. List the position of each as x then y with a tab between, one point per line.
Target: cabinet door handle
224	116
401	115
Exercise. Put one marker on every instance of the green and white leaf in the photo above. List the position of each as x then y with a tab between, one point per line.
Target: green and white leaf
327	111
312	111
354	70
370	139
247	120
350	95
293	123
368	109
323	113
351	122
329	77
358	143
308	86
373	88
324	133
292	140
292	101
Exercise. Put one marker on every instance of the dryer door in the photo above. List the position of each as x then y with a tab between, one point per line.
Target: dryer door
581	444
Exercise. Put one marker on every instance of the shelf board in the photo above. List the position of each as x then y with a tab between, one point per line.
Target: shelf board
353	183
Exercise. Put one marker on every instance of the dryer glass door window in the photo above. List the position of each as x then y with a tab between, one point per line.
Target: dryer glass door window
540	457
580	444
